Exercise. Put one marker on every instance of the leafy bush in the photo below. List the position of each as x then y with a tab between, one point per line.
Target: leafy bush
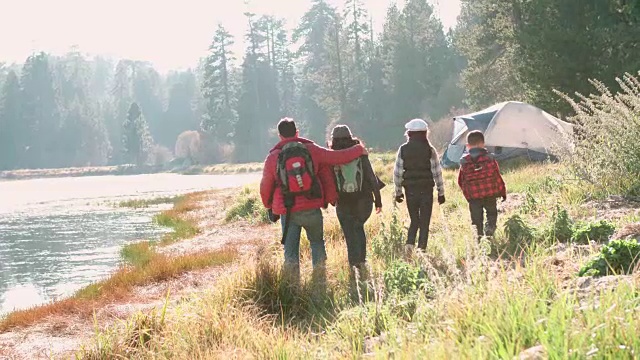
402	278
247	206
530	203
138	254
599	231
516	230
616	257
606	153
561	227
388	244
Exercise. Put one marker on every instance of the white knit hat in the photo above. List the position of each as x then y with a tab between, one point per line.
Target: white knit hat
417	125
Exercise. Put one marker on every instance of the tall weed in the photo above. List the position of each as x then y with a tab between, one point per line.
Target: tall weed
388	244
606	153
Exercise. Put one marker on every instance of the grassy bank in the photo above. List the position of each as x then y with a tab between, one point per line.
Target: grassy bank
461	299
145	203
142	265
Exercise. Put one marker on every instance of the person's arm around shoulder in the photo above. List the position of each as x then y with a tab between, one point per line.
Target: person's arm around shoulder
336	157
328	183
436	170
398	172
370	176
268	181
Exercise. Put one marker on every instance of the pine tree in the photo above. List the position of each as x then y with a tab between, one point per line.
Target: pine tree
562	45
258	106
355	40
40	111
83	139
13	132
180	115
218	92
316	32
136	138
147	92
485	36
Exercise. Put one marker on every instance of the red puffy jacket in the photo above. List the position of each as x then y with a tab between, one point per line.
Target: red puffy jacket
323	160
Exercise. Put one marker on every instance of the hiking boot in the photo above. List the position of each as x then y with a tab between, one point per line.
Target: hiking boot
363	271
408	250
490	230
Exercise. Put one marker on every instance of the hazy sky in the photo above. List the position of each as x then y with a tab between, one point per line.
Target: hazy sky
171	34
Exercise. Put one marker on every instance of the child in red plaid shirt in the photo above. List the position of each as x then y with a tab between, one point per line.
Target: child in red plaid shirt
481	184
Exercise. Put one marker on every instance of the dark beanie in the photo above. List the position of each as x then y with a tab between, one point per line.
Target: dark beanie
341	131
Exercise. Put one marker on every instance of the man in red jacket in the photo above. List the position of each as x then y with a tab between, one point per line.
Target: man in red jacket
306	212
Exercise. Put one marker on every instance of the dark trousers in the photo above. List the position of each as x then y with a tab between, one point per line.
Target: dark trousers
477	209
420	206
352	217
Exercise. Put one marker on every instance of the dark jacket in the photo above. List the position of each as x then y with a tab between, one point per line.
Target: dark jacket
370	187
416	154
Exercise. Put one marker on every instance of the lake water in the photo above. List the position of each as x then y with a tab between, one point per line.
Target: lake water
57	235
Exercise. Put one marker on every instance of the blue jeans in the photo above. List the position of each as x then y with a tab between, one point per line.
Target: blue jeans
352	218
312	222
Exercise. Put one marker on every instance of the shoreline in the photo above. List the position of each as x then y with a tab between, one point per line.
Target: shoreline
193	255
125	170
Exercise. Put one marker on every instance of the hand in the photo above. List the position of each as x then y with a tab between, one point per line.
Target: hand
273	217
400	198
441	199
378	210
364	149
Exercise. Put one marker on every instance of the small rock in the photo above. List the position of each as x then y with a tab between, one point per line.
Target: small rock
602	283
371	343
534	353
631	231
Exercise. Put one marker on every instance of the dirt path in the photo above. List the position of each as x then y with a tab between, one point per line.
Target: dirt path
60	336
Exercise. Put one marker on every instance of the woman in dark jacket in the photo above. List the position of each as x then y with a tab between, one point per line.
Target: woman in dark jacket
418	171
358	190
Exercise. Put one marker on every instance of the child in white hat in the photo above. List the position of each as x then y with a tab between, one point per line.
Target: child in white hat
418	171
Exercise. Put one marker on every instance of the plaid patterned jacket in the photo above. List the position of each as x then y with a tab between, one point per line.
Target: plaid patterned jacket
479	176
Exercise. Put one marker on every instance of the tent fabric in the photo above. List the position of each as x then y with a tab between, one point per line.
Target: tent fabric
512	129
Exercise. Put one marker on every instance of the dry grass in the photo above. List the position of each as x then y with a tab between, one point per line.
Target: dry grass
145	203
485	306
228	169
118	286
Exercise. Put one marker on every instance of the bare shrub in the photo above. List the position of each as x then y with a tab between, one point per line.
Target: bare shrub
160	155
188	145
212	151
441	131
607	127
202	148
